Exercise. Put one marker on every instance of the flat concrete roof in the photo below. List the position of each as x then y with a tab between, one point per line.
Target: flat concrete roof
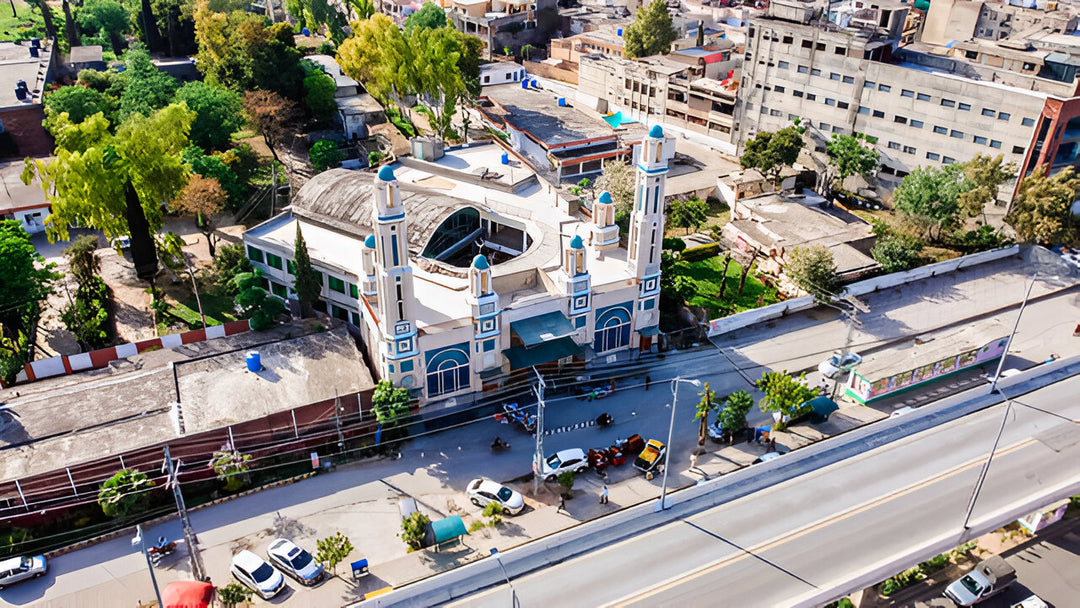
66	420
539	114
85	54
14	194
16	64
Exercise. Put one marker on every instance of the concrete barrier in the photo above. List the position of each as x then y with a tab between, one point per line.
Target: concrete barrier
765	313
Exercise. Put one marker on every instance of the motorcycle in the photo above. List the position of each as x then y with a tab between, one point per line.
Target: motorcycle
499	445
163	548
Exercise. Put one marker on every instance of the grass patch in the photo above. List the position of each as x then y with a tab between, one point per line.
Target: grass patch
243	134
28	23
706	275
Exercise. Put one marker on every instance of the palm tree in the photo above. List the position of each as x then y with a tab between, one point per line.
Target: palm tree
704	407
525	50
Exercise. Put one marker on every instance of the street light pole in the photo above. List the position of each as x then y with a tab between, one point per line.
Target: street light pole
662	503
1016	326
513	592
538	457
149	564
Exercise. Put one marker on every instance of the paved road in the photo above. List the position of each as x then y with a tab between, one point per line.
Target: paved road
789	544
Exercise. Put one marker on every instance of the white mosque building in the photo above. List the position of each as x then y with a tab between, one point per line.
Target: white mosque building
455	273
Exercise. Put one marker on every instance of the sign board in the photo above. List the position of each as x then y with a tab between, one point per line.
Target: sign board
314	460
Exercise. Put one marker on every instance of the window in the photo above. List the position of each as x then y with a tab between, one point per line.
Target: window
941	130
979	139
1004	116
948	103
907	93
802	69
918	124
807	44
849	80
1028	66
971	54
353	291
783	65
815	72
612	328
792	117
255	255
956	134
290	267
948	160
779	89
869	85
824	126
839	50
821	46
279	290
834	76
837	130
447	370
843	105
884	88
1018	149
922	97
830	101
900	119
879	114
336	284
273	261
894	145
487	79
796	93
864	110
995	143
774	112
1027	122
909	150
811	97
965	106
933	156
788	40
988	112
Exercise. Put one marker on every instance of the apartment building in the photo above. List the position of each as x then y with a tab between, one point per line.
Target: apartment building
843	71
504	23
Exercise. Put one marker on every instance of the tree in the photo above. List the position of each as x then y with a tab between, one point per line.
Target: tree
389	404
87	314
219	112
240	51
71	33
526	49
234	593
148	89
115	183
107	17
324	154
847	157
363	9
928	198
897	252
618	179
307	285
202	198
688	214
414	529
125	493
651	33
215	166
26	281
1042	209
784	395
985	175
230	261
704	407
273	115
429	16
254	302
83	261
79	102
566	480
732	417
333	550
319	91
230	466
769	152
814	271
683	288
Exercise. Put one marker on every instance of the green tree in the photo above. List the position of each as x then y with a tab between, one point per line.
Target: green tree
784	395
683	288
732	417
229	261
985	175
324	154
230	467
83	261
307	285
770	152
618	178
363	9
389	404
688	214
651	33
214	166
414	529
566	480
333	550
254	302
202	198
234	593
1042	209
107	17
814	271
87	314
705	406
929	198
897	252
148	89
79	102
429	16
219	112
847	157
125	493
319	90
26	281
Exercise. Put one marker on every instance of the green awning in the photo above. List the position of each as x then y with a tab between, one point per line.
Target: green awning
822	407
546	327
448	529
522	357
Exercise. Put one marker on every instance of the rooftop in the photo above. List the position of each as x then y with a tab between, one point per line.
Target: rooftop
332	69
85	54
358	104
16	64
539	114
16	195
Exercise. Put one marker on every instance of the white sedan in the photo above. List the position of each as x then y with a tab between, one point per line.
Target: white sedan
839	363
257	575
294	561
485	491
563	461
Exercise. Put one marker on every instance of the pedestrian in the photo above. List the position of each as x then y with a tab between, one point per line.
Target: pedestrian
749	430
562	504
647	381
693	461
604	496
611	387
772	444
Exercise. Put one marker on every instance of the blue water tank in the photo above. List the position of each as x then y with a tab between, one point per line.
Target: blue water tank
254	363
305	32
525	83
505	158
534	84
562	102
620	32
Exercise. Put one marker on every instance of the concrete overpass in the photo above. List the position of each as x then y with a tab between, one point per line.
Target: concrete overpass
814	525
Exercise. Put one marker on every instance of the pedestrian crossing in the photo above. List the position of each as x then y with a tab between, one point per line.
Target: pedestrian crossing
568	428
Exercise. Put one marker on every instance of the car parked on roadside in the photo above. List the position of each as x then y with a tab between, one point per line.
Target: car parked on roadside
17	569
255	574
483	492
767	456
562	461
840	362
294	561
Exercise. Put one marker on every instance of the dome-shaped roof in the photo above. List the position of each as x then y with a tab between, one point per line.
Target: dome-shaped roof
386	174
370	241
605	197
575	243
480	263
656	132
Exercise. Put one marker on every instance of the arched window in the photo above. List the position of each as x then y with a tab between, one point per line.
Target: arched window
447	370
612	328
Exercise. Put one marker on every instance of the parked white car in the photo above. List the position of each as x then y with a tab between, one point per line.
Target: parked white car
257	575
839	363
562	461
483	491
294	561
17	569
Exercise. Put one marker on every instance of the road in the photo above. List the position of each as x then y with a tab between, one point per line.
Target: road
802	542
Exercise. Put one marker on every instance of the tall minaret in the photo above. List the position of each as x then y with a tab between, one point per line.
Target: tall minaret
577	282
647	218
605	233
394	283
487	324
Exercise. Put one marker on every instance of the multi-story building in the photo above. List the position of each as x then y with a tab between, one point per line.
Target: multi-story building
504	23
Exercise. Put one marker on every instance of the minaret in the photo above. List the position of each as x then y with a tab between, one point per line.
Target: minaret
647	218
367	263
487	324
577	283
605	233
393	283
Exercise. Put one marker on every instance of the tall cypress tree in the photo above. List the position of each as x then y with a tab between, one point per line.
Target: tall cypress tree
308	284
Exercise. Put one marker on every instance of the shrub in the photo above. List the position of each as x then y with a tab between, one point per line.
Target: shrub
493	511
403	125
905	578
701	252
374	157
414	528
674	244
566	480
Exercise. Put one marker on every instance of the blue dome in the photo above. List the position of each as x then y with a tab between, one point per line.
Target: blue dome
386	174
370	241
605	197
655	132
480	263
575	243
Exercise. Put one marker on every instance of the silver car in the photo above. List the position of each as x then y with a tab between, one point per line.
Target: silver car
18	569
295	562
257	575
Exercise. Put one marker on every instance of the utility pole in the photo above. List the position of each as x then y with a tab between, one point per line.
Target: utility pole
538	457
197	569
273	183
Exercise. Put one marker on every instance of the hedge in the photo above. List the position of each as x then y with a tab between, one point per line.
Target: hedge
702	252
